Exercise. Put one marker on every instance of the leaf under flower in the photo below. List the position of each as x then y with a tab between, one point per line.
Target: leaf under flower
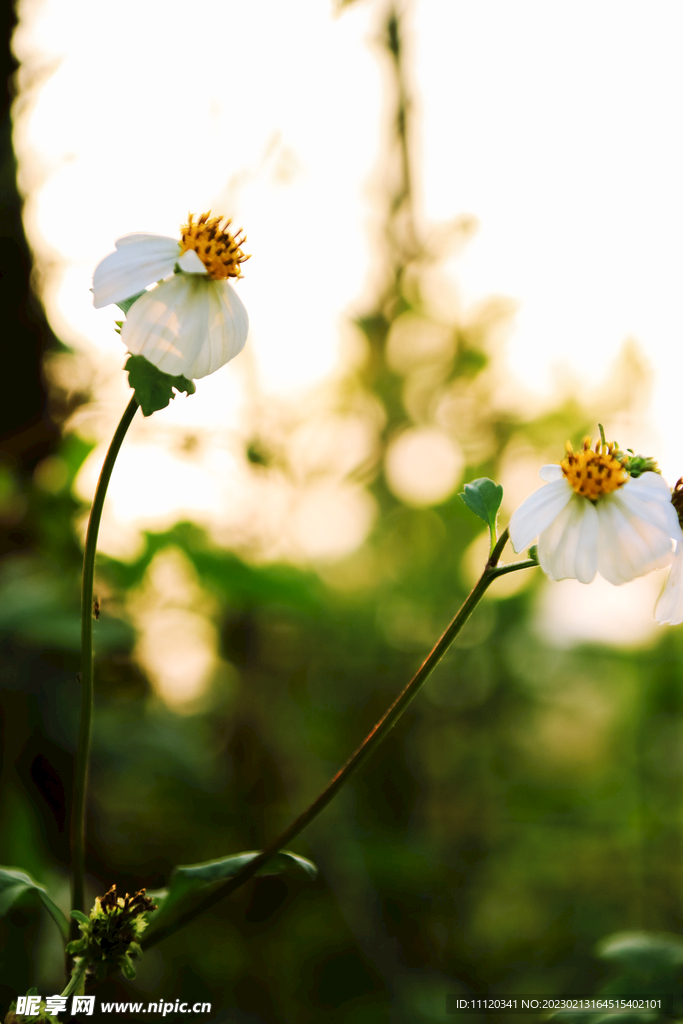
153	388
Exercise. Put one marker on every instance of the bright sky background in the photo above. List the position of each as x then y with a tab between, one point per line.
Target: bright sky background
557	125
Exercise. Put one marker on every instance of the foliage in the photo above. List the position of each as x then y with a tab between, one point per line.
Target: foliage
191	882
483	497
153	388
14	885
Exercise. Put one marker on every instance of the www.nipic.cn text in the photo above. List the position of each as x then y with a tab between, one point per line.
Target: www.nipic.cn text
30	1006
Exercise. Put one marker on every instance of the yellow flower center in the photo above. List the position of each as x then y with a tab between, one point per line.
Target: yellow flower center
218	250
593	474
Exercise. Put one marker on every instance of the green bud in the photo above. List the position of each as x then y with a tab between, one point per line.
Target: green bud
636	465
111	933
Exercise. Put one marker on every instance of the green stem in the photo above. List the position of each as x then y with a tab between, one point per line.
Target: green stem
76	983
83	751
372	740
503	570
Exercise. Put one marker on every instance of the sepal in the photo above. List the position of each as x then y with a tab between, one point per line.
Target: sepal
77	946
125	304
636	465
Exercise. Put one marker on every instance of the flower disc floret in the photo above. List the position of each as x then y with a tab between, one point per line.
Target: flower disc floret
593	474
218	250
610	521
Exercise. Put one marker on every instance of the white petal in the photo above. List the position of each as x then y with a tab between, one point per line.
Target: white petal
568	548
630	544
187	325
649	498
228	327
651	484
190	263
139	260
166	325
551	472
669	607
134	237
538	512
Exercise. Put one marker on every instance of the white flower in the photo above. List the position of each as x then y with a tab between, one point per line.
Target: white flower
192	321
669	607
593	517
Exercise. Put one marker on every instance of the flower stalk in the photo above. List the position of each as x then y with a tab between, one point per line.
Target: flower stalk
491	571
85	728
76	983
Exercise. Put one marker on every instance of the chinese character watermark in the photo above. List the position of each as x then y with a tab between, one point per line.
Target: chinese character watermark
30	1006
83	1004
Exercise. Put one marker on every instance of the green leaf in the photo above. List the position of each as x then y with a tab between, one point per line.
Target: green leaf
125	304
643	951
153	388
78	915
190	883
283	863
483	497
14	884
158	895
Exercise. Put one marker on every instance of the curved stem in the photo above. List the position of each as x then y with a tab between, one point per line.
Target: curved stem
83	750
371	741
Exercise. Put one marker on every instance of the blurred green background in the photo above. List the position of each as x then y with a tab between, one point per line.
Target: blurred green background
528	803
